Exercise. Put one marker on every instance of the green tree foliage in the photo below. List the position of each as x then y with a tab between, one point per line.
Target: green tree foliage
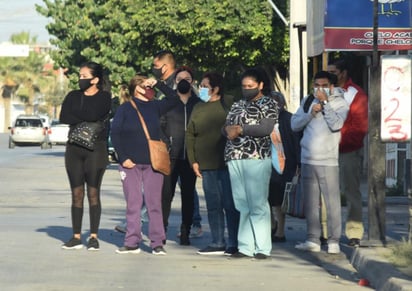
23	72
27	79
123	35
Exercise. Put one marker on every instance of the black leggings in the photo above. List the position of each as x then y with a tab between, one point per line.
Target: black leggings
84	166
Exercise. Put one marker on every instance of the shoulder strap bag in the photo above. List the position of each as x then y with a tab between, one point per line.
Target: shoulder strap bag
159	155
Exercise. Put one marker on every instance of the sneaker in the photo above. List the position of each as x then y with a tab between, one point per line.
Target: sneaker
238	255
260	256
73	244
230	251
128	250
121	227
308	246
196	232
159	251
211	251
333	248
354	242
93	244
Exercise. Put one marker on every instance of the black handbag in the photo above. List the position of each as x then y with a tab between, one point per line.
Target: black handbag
86	133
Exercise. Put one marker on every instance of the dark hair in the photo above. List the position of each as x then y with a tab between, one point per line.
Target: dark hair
96	70
165	55
162	53
341	65
255	74
184	69
215	80
267	89
333	79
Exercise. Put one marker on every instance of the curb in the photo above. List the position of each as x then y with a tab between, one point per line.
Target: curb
382	275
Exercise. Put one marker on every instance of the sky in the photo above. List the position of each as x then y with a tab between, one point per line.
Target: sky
20	15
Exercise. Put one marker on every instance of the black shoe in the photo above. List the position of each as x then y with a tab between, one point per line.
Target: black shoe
230	251
128	250
278	239
354	242
184	240
184	235
211	251
323	241
239	255
159	251
93	244
73	244
260	256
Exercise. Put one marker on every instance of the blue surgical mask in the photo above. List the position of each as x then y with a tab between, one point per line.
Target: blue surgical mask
204	94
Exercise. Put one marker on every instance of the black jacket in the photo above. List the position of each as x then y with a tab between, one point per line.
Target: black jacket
174	124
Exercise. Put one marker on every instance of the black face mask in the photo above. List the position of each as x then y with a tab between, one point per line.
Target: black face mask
157	72
85	84
183	86
249	94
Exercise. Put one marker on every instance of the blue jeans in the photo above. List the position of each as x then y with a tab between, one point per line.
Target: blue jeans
219	203
250	185
196	211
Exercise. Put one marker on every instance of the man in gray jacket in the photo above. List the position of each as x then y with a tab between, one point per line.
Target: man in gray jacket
320	117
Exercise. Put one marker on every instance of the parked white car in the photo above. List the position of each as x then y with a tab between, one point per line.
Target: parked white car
29	129
58	132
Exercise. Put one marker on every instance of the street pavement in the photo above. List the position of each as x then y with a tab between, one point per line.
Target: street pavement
35	221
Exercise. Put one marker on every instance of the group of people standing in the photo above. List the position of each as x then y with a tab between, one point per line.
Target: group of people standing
210	136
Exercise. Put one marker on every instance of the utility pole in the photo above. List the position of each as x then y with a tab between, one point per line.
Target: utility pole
376	153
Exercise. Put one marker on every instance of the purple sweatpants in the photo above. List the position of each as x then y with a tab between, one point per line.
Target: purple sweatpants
136	181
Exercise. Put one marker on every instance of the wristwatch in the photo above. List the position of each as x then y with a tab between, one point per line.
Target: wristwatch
324	102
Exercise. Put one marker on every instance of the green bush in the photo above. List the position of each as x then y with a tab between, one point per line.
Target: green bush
395	190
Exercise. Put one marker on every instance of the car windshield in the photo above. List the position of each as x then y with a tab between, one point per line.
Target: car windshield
28	123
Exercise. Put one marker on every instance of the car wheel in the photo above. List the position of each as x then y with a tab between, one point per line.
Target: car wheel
11	144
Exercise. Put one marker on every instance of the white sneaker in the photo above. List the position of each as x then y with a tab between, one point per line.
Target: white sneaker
308	246
333	248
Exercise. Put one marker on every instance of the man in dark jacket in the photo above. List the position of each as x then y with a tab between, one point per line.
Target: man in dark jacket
174	125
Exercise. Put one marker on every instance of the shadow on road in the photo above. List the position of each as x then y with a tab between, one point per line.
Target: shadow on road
63	234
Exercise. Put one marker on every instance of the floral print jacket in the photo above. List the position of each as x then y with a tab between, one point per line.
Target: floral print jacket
250	113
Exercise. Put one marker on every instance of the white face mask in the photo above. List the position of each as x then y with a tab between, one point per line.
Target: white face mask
326	90
204	94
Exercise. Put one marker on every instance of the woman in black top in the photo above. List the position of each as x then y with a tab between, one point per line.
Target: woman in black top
84	166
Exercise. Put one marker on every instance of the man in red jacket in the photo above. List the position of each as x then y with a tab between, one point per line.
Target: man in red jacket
351	149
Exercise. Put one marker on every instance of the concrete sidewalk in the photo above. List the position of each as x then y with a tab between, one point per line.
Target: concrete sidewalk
371	261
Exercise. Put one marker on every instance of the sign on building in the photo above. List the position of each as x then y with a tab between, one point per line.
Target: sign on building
349	25
396	98
14	50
